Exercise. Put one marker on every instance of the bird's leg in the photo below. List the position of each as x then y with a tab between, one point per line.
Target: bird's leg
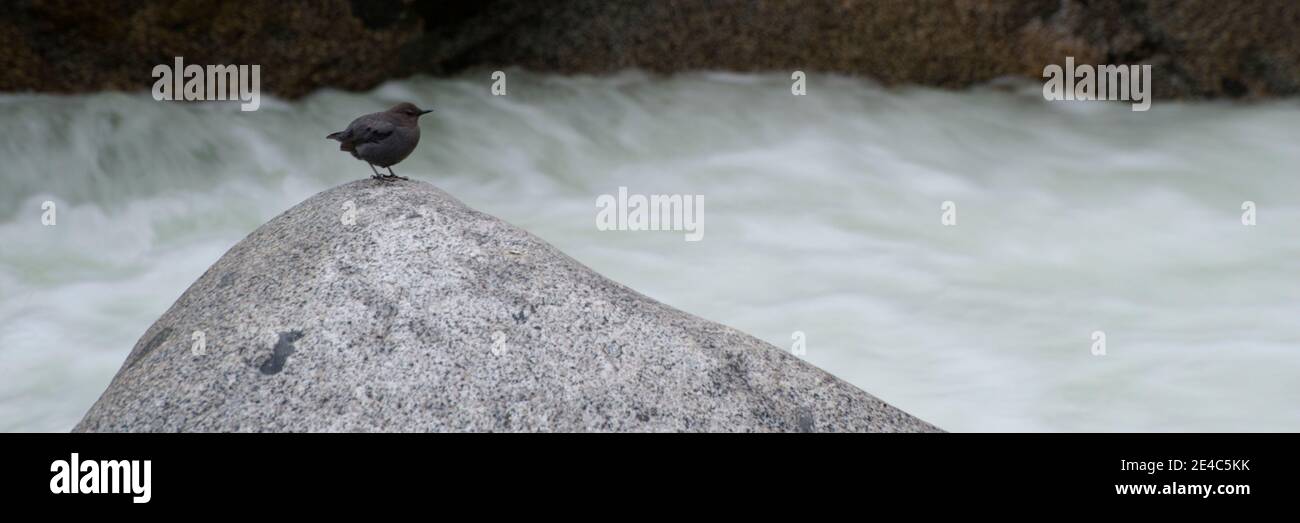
394	175
372	169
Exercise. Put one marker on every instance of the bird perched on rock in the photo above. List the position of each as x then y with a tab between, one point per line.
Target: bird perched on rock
383	139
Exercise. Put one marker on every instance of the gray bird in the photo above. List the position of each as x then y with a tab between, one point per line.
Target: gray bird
383	139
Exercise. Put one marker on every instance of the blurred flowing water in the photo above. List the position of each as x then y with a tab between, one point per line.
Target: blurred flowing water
822	216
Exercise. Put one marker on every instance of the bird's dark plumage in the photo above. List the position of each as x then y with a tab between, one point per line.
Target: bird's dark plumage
382	139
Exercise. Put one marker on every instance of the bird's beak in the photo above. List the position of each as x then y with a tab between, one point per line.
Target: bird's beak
426	111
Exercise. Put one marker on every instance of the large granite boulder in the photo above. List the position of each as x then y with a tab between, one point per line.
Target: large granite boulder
391	306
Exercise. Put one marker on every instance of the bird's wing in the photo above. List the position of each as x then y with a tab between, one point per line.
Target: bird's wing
369	130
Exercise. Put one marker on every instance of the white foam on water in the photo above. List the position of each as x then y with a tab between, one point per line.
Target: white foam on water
822	215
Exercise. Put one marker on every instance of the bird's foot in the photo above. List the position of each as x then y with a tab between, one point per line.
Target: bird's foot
394	177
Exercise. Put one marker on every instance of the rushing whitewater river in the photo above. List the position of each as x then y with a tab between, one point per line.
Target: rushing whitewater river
822	216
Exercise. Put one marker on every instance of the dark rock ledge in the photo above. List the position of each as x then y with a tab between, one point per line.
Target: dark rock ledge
1197	48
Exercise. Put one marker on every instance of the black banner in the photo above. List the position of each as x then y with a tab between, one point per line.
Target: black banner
140	473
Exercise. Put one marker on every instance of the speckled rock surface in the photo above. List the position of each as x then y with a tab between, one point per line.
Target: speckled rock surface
426	315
